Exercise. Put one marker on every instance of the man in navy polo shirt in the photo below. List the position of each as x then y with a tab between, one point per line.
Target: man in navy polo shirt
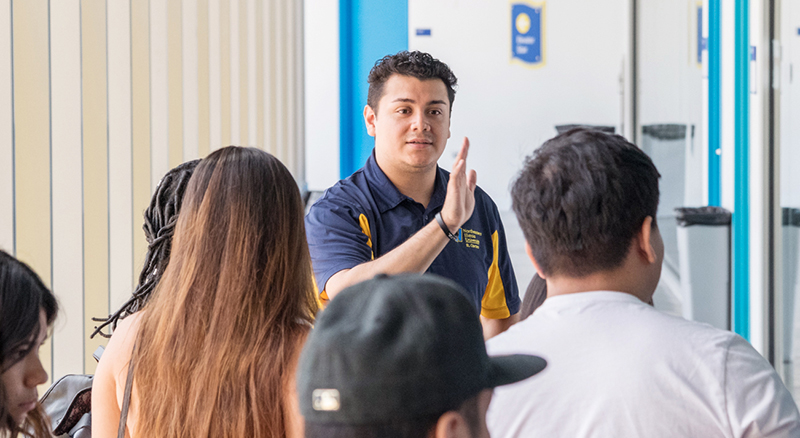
401	212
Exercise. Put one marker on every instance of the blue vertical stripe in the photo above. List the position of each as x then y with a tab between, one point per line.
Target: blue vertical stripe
741	214
714	102
346	106
368	31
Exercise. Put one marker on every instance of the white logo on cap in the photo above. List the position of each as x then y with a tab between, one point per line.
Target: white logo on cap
325	400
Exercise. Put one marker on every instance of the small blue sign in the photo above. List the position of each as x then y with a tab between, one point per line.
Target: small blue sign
701	42
752	53
423	32
526	33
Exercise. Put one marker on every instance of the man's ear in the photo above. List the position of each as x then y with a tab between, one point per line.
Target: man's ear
533	260
451	425
644	244
369	120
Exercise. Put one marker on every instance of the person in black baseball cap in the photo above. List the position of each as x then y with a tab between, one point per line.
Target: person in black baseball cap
400	357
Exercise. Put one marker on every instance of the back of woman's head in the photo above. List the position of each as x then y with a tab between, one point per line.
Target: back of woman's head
22	297
159	227
223	324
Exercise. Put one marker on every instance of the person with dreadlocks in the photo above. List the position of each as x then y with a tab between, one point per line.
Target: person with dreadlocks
159	226
214	352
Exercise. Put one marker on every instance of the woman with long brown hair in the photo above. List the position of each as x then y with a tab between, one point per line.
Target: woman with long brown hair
214	352
27	310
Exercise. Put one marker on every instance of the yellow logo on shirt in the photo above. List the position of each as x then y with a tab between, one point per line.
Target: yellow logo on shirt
472	238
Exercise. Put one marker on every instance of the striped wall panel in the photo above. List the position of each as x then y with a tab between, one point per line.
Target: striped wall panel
120	150
191	95
235	67
214	76
67	171
102	98
140	125
175	81
261	79
252	62
159	92
31	70
95	169
203	79
6	131
226	91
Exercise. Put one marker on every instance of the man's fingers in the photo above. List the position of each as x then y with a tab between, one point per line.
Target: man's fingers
472	180
459	169
462	153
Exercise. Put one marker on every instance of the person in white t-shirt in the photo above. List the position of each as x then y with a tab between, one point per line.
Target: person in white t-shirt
586	202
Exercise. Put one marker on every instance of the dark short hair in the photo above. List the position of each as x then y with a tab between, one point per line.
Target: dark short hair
581	198
409	428
416	64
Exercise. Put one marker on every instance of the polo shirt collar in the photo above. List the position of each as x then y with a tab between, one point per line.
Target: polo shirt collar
386	194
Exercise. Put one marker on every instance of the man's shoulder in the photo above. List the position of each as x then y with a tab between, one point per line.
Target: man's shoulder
483	200
348	192
646	323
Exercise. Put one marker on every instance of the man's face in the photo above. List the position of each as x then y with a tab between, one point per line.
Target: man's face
23	375
412	125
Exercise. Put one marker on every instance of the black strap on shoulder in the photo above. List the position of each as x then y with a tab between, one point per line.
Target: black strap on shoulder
126	399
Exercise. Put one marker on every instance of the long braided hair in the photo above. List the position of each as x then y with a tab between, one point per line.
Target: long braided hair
159	225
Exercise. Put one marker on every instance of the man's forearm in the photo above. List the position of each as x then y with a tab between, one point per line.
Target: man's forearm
493	327
415	255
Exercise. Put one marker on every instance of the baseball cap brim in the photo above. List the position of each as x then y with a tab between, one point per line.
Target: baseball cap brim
509	369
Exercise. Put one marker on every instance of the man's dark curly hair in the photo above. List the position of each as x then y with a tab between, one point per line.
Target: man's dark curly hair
581	198
416	64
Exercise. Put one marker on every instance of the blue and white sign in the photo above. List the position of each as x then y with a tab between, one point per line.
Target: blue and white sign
526	33
701	42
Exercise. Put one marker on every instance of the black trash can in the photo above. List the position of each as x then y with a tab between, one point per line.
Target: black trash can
564	128
790	233
704	251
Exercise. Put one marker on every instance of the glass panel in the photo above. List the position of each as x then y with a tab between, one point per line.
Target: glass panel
670	122
789	153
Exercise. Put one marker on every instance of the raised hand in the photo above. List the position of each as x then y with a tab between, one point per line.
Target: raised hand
460	199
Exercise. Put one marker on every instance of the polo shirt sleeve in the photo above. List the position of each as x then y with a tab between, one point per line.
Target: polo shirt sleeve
757	402
501	298
338	238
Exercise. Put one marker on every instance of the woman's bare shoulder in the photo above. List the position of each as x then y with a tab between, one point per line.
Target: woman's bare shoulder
118	351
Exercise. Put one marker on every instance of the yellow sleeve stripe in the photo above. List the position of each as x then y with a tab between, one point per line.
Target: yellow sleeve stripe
322	297
364	223
493	305
362	220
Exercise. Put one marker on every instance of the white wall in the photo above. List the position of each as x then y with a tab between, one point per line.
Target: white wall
790	106
321	27
506	109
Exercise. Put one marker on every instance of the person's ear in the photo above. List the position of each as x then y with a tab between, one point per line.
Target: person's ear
529	251
644	243
451	425
369	119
